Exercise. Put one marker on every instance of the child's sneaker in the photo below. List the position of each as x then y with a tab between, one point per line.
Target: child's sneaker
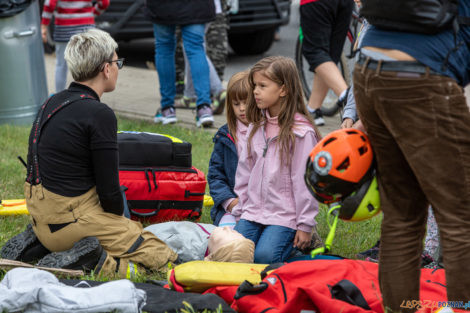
166	116
204	116
84	255
24	247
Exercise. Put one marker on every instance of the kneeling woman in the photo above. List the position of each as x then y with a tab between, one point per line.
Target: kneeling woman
72	185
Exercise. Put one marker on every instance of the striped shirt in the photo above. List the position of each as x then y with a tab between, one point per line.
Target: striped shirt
72	12
63	33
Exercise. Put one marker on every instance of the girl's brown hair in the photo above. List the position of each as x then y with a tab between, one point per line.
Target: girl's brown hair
238	89
282	71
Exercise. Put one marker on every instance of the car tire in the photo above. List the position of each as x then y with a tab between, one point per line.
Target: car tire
252	43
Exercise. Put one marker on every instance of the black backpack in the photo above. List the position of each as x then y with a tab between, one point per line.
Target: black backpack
416	16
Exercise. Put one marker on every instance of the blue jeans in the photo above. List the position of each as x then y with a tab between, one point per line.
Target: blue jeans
273	243
193	42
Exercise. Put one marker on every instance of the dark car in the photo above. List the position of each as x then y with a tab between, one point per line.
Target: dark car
251	29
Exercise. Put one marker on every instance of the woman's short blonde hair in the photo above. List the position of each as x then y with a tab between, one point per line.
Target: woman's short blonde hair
86	53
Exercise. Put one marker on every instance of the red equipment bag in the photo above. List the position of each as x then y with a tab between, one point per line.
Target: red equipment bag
161	194
332	286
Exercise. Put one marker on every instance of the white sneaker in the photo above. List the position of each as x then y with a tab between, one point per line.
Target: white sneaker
204	116
166	116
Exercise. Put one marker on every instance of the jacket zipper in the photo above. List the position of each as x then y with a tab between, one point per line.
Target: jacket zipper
265	150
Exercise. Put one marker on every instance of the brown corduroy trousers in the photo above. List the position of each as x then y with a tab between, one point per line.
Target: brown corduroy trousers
74	218
419	128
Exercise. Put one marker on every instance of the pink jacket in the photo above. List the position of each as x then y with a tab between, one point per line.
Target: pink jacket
271	194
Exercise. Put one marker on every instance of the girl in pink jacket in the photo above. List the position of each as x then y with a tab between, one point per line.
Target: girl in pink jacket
275	209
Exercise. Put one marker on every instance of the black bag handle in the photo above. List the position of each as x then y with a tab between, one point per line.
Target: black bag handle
346	291
188	193
246	288
270	267
153	213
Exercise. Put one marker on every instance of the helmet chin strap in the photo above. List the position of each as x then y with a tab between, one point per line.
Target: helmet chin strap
334	212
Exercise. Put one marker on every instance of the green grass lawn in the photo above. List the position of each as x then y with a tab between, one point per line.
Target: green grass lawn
350	237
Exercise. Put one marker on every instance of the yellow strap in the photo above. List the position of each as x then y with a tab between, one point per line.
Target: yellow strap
13	202
131	270
174	139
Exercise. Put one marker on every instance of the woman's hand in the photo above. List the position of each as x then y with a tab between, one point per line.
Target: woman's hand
302	239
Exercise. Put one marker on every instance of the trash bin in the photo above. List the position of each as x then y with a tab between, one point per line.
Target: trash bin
23	84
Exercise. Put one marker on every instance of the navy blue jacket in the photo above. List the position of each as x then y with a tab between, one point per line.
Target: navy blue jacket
222	169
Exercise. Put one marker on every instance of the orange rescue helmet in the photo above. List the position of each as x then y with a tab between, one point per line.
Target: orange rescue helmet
339	164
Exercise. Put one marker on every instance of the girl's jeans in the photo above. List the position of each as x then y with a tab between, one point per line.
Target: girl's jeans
273	243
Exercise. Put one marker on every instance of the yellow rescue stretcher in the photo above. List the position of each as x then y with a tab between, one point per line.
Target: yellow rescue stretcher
18	206
13	207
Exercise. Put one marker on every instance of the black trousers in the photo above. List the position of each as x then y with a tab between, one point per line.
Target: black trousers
324	25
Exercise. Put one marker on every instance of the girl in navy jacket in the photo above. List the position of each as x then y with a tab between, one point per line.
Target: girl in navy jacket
228	142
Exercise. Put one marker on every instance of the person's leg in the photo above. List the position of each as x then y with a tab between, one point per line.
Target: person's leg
217	43
60	67
274	245
402	201
123	240
329	72
179	63
327	75
215	83
165	44
193	42
188	87
321	28
249	230
438	125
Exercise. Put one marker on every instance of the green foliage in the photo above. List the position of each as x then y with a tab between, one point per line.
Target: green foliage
350	237
14	143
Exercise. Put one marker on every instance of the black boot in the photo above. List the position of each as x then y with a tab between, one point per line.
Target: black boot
84	255
24	247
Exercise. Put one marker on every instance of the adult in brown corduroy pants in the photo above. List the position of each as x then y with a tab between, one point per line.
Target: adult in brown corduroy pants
418	122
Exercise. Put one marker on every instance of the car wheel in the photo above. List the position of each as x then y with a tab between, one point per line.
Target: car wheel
252	43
